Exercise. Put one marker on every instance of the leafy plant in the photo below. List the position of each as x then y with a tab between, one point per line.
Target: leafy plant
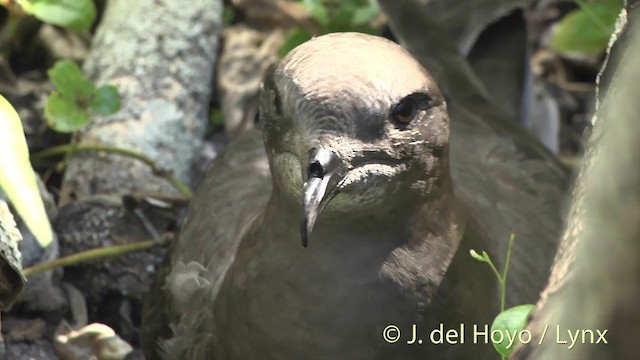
510	321
334	16
72	14
588	28
76	98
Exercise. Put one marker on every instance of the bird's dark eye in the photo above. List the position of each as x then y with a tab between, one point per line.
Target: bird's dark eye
404	111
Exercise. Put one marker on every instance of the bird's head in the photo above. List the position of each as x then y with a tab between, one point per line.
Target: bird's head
353	124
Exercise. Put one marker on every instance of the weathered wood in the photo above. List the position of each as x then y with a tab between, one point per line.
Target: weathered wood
161	55
11	279
593	286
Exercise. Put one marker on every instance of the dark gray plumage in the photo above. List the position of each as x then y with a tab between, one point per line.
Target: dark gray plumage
357	134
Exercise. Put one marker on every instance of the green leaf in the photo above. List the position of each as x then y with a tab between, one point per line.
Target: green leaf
476	256
317	10
228	14
364	14
484	257
63	114
72	14
294	38
106	101
510	323
587	30
67	77
216	118
351	15
17	178
341	19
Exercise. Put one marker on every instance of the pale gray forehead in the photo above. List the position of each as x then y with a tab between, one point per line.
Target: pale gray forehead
344	76
349	64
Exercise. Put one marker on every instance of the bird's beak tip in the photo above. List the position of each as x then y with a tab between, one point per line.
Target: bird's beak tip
314	192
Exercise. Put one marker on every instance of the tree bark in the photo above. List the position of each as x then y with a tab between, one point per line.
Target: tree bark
160	54
593	286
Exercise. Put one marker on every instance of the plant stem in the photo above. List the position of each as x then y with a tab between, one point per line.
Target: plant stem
506	263
493	267
167	175
92	254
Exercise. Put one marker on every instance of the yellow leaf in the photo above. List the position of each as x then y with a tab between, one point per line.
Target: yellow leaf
17	178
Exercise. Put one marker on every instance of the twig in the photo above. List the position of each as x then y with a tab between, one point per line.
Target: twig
92	254
167	175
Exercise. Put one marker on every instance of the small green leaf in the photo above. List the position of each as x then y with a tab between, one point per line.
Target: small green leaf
295	38
341	19
63	114
216	118
317	10
228	14
476	256
17	178
73	14
366	13
106	101
352	15
587	30
67	77
510	323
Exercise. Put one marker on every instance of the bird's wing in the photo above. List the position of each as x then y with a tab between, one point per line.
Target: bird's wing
233	193
509	182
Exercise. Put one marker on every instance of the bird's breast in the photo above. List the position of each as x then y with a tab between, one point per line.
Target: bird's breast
333	299
324	302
